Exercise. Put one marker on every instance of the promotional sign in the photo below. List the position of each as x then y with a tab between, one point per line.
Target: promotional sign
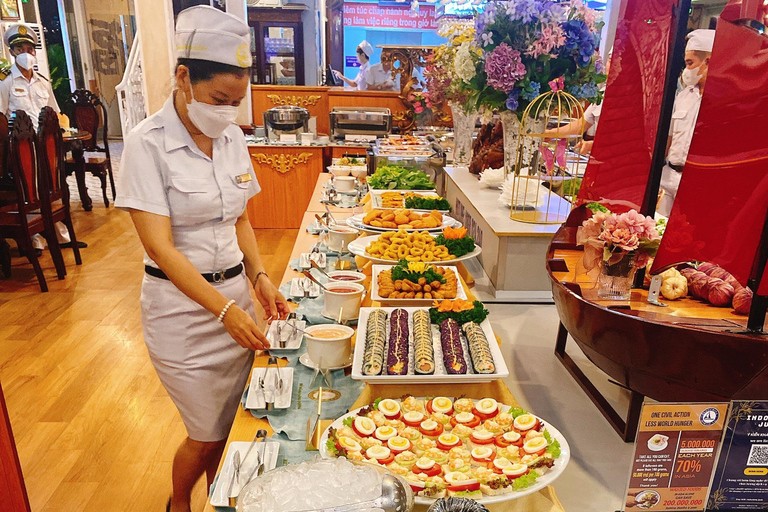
674	456
390	16
741	479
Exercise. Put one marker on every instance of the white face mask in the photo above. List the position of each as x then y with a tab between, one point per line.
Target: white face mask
212	120
26	60
691	77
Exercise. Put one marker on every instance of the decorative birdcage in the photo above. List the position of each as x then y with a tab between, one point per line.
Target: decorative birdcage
548	168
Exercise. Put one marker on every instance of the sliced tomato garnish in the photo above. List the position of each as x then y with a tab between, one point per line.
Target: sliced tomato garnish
354	427
472	486
432	433
432	411
512	477
397	416
501	442
389	460
417	486
483	416
483	441
433	471
414	424
472	424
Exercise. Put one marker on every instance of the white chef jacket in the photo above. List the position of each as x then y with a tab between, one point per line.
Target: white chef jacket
163	172
16	93
362	80
684	115
378	77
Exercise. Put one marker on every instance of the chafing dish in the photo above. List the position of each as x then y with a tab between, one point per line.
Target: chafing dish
285	119
346	122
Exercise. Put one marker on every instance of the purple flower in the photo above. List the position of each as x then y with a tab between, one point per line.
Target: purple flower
512	100
579	42
487	38
504	67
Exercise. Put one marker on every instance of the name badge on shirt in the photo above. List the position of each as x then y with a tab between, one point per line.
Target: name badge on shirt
243	178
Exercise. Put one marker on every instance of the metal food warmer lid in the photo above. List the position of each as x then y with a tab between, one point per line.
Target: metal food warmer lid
360	121
286	118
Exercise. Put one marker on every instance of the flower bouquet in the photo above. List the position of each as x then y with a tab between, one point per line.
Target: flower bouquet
618	245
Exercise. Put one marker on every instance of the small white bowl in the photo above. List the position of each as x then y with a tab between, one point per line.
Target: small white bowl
344	183
330	351
339	234
349	276
360	171
343	295
339	170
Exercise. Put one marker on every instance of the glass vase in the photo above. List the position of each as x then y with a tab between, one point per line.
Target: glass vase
511	126
615	280
463	129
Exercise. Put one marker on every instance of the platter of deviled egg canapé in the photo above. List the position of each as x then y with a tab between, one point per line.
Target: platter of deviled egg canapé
477	449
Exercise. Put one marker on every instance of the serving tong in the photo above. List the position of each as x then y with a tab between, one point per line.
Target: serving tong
276	389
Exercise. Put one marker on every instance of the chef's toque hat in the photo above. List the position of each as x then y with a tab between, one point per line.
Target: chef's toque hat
206	33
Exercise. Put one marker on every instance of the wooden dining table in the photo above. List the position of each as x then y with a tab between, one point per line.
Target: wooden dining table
73	141
246	425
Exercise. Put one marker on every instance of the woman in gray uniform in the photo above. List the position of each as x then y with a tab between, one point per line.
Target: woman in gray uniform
186	177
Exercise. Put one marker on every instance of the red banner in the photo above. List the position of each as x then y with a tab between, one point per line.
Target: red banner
377	16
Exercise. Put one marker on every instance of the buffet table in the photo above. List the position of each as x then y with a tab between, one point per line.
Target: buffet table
513	251
245	425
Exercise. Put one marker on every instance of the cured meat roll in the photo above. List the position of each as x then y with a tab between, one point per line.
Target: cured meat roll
375	341
397	356
479	349
422	343
453	354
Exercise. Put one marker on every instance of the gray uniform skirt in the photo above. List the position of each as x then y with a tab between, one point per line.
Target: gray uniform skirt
203	369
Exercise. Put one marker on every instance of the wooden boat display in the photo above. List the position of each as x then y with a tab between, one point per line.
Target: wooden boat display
688	351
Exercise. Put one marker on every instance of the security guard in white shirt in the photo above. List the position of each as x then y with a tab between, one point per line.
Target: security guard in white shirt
685	113
26	89
364	51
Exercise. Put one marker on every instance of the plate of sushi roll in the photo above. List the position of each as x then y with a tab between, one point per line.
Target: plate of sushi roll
427	345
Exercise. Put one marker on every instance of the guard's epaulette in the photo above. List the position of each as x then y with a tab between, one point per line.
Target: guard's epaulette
43	77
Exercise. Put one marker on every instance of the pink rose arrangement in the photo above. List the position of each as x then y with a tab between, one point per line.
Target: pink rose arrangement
609	237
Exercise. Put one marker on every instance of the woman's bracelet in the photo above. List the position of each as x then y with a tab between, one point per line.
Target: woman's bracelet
224	311
258	275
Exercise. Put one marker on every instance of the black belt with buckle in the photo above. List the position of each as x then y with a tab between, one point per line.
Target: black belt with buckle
676	168
215	277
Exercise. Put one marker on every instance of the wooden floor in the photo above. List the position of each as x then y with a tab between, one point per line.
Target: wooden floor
95	429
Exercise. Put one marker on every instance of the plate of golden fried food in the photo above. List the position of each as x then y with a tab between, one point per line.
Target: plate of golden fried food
415	284
402	219
393	246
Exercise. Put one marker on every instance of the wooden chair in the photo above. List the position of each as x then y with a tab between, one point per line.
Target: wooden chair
20	221
54	192
90	114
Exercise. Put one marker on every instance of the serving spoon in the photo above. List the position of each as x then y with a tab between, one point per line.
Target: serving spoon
394	498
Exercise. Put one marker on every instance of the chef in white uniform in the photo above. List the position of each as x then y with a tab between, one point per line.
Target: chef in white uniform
26	89
185	179
685	112
364	51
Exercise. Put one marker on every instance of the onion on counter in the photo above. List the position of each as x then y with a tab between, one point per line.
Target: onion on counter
720	293
742	301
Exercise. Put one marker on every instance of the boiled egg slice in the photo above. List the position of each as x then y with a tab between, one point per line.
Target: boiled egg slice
535	445
464	417
501	463
425	464
512	437
385	433
515	470
377	452
429	425
442	404
525	422
448	439
482	435
364	425
457	477
349	444
413	417
398	444
482	453
389	407
487	406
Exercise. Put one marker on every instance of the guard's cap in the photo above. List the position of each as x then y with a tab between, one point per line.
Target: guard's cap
701	39
367	48
20	33
206	33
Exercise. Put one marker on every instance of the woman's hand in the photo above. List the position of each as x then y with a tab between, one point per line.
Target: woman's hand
273	302
243	329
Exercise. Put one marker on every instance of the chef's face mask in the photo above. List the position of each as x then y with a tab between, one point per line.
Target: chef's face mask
691	77
212	120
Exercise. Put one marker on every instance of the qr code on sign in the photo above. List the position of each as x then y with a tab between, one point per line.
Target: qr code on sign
758	455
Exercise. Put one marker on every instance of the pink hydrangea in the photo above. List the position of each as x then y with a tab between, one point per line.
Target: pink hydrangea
552	37
504	68
621	237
